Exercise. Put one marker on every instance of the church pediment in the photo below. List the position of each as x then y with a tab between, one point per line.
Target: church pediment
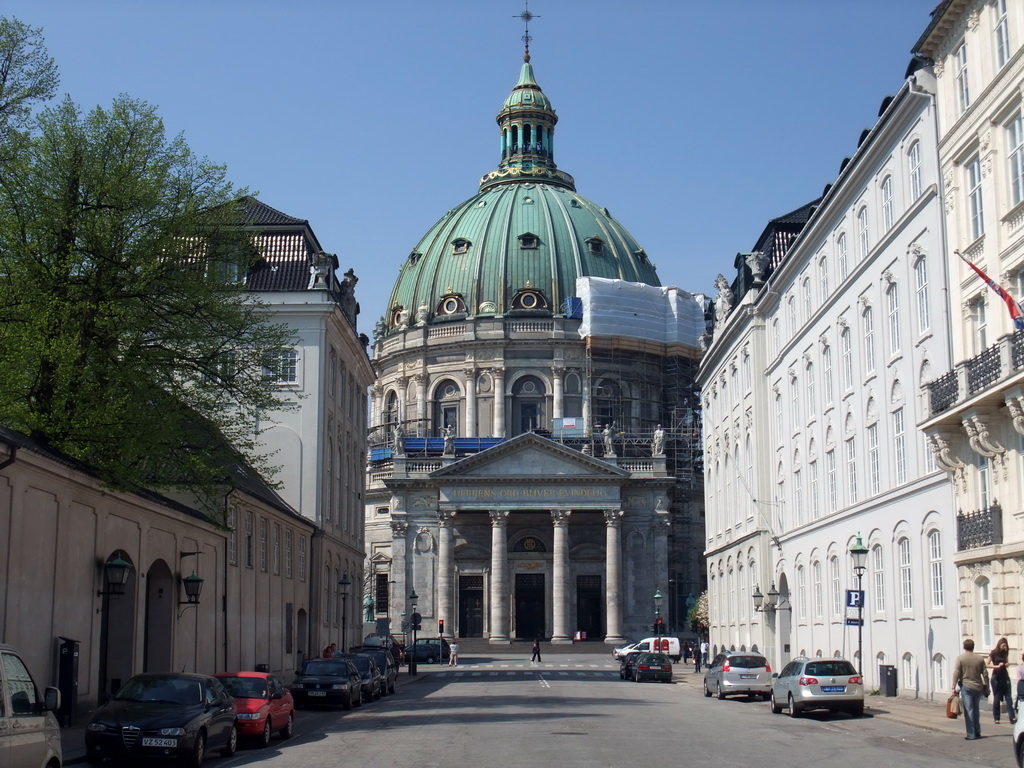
530	457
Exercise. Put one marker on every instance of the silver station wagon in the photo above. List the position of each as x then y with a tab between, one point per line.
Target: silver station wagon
738	673
804	684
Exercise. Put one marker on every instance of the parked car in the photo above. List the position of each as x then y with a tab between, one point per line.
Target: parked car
164	715
328	682
369	675
626	665
29	732
804	684
428	649
1018	729
652	666
668	645
263	705
387	666
731	673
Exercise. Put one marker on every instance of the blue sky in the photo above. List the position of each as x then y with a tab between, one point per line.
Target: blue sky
694	123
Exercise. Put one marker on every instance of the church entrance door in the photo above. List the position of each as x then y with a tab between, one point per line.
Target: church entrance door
529	605
589	603
471	606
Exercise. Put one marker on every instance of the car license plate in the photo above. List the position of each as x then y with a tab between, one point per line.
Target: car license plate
146	742
833	689
318	693
748	677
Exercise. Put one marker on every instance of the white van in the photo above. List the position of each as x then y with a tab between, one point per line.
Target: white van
667	645
29	733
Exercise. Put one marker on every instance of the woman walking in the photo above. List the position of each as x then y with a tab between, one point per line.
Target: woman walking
999	663
536	651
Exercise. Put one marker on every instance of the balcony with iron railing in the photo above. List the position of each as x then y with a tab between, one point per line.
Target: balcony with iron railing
981	528
991	370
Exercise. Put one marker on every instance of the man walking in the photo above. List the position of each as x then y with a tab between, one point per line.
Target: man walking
704	652
971	676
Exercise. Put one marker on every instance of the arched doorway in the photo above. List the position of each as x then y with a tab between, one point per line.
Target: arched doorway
117	633
159	618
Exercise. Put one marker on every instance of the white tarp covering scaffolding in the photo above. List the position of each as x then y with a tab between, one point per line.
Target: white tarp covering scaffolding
640	311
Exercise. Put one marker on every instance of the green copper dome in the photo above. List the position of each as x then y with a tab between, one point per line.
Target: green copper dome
519	245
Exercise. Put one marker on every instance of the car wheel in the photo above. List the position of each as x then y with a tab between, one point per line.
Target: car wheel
857	710
766	697
289	727
392	688
721	693
265	736
794	710
195	758
377	693
358	699
347	704
232	746
1018	750
776	707
431	660
92	759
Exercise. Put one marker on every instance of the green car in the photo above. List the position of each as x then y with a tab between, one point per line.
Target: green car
652	666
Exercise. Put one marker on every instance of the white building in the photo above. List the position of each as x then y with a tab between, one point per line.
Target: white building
975	406
811	396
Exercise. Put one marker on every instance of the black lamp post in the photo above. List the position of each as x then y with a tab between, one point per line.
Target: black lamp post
657	612
859	555
414	623
343	584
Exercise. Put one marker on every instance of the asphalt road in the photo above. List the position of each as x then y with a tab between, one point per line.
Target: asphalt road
573	711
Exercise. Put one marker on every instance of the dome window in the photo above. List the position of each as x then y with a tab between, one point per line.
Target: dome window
399	316
451	304
641	255
574	203
529	298
529	242
414	257
596	245
460	246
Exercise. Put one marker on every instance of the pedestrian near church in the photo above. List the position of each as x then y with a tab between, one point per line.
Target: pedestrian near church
970	677
704	652
998	664
536	651
696	659
453	654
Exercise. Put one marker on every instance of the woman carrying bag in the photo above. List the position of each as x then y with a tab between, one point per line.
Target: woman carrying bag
999	663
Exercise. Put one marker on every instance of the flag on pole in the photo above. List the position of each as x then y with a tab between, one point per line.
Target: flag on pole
1015	313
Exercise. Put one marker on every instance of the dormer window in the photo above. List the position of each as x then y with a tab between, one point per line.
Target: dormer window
529	242
596	246
414	257
641	255
451	304
529	298
460	246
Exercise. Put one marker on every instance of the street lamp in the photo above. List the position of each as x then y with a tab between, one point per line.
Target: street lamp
766	603
343	584
414	624
657	612
859	555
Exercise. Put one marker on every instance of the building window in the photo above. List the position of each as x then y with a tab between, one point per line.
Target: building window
276	560
984	482
874	464
940	672
863	234
798	494
906	577
460	246
302	558
844	257
288	554
921	291
819	598
232	523
793	324
529	242
808	299
887	206
908	670
263	544
823	277
794	411
1002	35
914	166
851	471
282	366
1015	140
846	344
812	402
935	569
595	245
975	204
778	416
878	574
899	446
984	600
963	91
248	540
892	297
837	592
868	320
832	480
801	593
332	373
382	593
326	607
826	373
980	317
812	489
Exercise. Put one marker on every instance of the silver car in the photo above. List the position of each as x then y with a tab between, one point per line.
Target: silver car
804	684
737	672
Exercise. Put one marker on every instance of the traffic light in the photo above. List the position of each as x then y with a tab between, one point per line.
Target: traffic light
659	627
440	626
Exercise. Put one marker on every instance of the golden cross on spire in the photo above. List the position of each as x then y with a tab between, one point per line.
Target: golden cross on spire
527	17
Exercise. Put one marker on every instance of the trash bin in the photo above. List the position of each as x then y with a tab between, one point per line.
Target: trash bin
887	679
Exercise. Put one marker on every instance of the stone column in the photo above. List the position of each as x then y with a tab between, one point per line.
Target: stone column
469	430
557	403
499	583
560	578
421	402
613	576
445	568
499	402
376	405
399	574
403	387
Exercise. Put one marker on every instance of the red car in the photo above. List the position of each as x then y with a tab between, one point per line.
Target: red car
264	705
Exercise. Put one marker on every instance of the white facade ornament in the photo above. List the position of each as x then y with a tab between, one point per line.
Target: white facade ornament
980	439
1015	404
916	252
944	456
889	277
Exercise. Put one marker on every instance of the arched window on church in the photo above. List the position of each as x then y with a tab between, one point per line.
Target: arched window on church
572	391
529	405
446	407
390	409
607	397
